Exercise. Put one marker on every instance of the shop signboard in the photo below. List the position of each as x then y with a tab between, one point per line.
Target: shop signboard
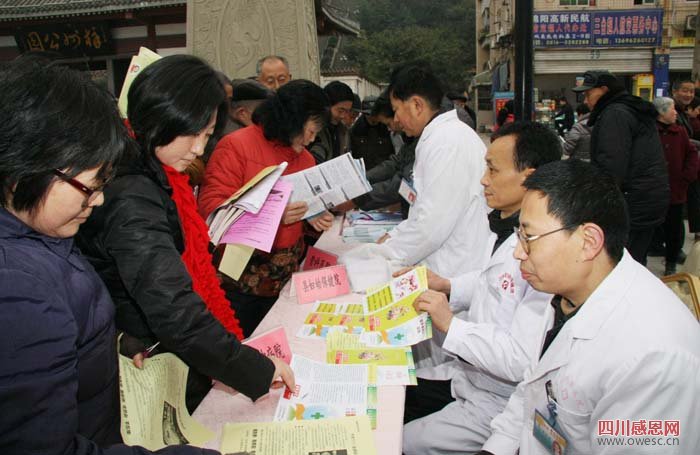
612	28
70	40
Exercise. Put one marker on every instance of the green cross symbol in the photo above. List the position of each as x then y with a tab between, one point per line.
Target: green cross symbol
398	336
317	416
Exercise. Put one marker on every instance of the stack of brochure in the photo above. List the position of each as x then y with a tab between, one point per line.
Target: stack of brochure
386	316
368	227
249	219
329	184
250	198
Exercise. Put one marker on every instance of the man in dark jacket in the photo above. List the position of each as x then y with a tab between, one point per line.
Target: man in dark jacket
369	138
626	145
332	141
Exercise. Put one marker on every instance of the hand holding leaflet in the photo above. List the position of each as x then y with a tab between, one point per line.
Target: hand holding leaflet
329	184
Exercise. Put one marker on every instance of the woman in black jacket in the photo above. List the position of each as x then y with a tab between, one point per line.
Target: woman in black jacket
150	246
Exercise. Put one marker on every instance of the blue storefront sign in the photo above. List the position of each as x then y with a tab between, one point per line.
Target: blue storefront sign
630	28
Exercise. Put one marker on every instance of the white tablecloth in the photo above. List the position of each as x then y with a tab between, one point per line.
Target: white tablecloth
223	405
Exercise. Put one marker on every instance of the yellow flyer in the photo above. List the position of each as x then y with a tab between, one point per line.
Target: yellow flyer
411	282
351	435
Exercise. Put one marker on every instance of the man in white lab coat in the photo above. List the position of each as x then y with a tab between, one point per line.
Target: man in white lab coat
502	331
619	371
446	226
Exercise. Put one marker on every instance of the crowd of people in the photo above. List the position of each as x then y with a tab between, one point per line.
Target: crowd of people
546	321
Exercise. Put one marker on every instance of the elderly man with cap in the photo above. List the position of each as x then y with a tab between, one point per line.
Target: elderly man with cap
247	96
369	138
626	145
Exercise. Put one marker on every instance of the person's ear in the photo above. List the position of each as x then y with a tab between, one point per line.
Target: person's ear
240	114
417	103
593	241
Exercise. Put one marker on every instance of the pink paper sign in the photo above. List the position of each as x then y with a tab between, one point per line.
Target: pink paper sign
321	284
272	343
318	259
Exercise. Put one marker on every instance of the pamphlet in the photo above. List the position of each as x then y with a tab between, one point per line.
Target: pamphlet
258	230
329	184
328	391
153	410
348	435
249	198
138	62
395	366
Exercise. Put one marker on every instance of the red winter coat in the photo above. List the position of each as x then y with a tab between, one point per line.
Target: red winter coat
681	158
237	158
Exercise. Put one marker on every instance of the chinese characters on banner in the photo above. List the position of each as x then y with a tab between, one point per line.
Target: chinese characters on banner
321	284
599	28
76	40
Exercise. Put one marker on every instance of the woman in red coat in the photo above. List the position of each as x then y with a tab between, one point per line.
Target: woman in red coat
682	161
282	128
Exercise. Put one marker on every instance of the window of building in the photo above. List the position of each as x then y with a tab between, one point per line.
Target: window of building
575	2
644	2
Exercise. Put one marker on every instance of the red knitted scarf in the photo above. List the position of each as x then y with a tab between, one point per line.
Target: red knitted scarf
196	256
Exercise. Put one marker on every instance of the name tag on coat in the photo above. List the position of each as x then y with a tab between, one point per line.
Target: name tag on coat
407	191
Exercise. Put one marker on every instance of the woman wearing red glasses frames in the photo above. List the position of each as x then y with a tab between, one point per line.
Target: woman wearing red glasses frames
60	138
150	246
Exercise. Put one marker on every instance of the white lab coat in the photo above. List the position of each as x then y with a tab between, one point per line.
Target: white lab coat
499	339
632	352
447	225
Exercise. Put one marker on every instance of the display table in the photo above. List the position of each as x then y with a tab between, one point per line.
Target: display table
223	405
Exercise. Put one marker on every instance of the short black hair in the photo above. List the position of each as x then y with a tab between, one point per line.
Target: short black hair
578	193
535	144
283	116
678	82
337	92
382	106
582	109
416	79
174	96
53	117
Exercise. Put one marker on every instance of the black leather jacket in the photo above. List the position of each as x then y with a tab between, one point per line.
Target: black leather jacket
134	241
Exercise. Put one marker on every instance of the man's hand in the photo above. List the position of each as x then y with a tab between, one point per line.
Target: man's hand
282	371
436	305
322	222
294	212
435	281
384	238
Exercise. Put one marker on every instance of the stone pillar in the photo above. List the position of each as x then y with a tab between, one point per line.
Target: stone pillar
233	34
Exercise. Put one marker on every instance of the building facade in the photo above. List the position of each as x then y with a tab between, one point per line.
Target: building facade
649	43
101	36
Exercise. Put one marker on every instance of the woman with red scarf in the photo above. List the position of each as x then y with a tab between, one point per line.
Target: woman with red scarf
151	247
